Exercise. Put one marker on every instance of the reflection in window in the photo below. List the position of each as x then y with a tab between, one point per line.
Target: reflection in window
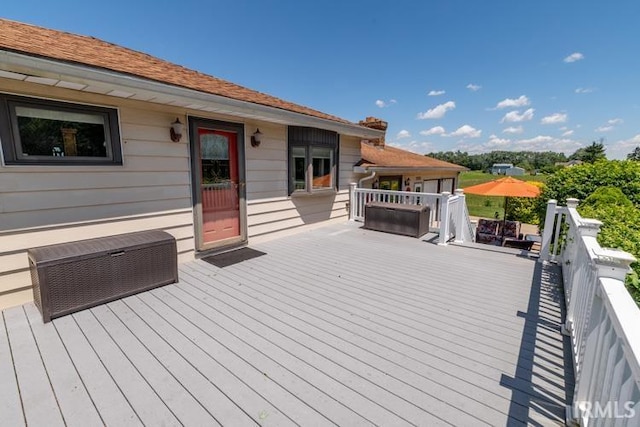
299	167
50	132
313	160
322	161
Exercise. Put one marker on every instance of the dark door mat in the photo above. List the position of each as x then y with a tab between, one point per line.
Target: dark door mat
233	257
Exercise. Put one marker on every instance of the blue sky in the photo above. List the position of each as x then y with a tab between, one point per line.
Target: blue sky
543	75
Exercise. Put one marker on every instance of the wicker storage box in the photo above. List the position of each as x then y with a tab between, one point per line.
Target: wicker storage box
70	277
409	220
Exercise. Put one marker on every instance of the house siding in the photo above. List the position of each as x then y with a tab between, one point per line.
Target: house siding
417	177
43	205
270	209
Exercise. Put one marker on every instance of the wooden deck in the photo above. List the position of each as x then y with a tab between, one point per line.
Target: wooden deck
336	326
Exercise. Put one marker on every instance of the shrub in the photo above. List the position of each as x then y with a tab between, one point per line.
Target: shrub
620	229
524	209
582	180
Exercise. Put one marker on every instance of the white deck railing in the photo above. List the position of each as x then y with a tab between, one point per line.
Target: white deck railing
361	196
455	223
452	208
602	319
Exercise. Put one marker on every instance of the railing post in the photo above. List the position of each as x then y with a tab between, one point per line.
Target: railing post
549	220
613	263
444	218
352	200
461	216
586	228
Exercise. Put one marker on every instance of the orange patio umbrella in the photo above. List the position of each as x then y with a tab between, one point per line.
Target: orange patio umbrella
504	187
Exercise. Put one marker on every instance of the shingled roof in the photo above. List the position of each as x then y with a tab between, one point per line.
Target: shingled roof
391	157
89	51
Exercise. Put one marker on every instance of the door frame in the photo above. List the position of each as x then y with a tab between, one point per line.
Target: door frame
196	182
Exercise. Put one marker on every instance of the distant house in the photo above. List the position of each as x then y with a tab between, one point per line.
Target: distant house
500	168
569	163
391	168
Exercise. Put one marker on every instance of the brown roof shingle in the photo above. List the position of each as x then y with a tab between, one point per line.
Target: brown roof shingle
386	156
62	46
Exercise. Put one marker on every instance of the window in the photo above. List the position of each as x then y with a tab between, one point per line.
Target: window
313	155
35	131
390	183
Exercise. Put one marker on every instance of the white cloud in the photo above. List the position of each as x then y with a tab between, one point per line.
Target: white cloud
466	131
513	129
568	133
604	128
584	90
382	104
473	87
438	111
437	130
576	56
615	121
495	142
548	143
554	118
538	143
620	149
436	93
516	117
403	134
420	147
522	101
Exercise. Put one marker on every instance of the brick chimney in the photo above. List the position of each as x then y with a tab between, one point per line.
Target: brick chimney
375	123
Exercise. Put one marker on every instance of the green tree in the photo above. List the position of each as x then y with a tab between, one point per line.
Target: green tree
634	155
591	153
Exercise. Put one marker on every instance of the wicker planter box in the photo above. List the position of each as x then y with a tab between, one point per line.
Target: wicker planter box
70	277
408	220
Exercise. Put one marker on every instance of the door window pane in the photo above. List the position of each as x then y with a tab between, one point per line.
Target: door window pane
215	160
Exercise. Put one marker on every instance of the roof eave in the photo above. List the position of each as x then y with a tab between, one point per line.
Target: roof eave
410	168
82	73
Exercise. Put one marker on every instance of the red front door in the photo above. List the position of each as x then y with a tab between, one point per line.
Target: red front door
219	185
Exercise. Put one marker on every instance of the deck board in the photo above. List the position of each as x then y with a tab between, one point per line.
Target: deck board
10	404
75	403
38	399
112	405
336	326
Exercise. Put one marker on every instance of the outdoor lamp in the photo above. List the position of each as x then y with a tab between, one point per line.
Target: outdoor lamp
256	138
176	130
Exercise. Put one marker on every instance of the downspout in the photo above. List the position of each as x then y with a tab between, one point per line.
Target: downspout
366	178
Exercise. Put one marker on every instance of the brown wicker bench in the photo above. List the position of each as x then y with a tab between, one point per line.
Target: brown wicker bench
70	277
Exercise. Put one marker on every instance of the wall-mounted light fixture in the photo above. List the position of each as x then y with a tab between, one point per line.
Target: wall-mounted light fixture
176	130
256	138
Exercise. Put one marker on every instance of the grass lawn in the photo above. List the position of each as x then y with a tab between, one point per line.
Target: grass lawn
487	206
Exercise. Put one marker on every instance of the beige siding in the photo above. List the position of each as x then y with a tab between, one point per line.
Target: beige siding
416	177
41	205
269	208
